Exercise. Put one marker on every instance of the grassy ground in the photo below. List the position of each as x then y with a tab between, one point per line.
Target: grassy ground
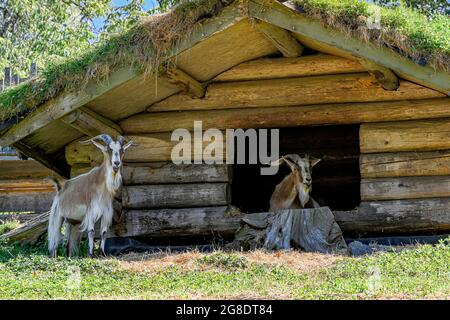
419	272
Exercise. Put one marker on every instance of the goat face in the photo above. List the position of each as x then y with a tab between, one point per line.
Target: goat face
112	150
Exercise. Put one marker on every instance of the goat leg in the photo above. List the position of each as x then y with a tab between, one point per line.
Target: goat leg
101	250
91	243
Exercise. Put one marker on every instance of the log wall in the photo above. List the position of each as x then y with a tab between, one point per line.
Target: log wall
22	186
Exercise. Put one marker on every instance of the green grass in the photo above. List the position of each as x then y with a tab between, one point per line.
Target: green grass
147	45
27	273
8	226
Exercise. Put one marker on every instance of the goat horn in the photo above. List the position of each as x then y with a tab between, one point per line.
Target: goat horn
293	157
104	137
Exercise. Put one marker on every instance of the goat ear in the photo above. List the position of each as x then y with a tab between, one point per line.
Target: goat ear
314	161
127	145
99	145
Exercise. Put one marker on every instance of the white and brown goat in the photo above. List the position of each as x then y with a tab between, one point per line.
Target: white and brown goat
293	192
87	198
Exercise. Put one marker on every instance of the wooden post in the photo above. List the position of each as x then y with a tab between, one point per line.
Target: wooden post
385	77
281	39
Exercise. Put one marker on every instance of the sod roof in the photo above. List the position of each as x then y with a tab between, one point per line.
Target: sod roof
147	45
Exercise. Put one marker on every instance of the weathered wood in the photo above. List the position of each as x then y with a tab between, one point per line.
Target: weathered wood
156	173
342	88
149	148
404	164
395	217
91	124
173	223
29	232
25	185
285	16
23	169
405	188
281	39
77	169
405	136
385	77
186	83
20	201
278	117
17	217
272	68
175	195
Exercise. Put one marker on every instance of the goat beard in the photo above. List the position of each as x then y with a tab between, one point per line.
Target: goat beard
303	193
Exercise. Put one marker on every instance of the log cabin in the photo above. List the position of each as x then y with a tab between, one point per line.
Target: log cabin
375	113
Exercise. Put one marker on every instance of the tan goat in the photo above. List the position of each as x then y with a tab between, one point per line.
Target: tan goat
293	191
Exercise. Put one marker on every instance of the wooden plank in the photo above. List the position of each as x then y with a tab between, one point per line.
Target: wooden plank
239	43
278	117
23	169
405	188
25	185
91	124
36	201
396	217
425	135
174	223
281	39
156	173
354	87
272	68
175	195
404	164
288	18
149	148
186	83
385	77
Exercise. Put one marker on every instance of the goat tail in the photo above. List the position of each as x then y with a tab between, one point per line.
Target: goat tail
55	182
54	228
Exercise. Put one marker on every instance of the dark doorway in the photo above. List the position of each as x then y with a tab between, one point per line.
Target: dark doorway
336	179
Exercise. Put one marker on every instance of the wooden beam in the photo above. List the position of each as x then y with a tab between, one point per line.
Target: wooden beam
340	88
23	169
285	16
405	188
281	39
175	223
91	124
187	84
385	77
167	172
396	217
175	195
405	164
305	66
424	135
278	117
66	103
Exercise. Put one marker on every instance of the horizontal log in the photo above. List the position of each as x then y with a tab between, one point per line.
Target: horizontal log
405	164
36	201
405	188
17	217
354	87
425	135
193	222
29	232
148	148
271	68
25	185
175	195
77	169
156	173
396	217
24	169
291	116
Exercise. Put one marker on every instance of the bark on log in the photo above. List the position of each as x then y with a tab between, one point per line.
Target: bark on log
405	164
17	217
397	217
405	136
175	195
29	232
289	116
166	223
35	201
157	173
356	87
405	188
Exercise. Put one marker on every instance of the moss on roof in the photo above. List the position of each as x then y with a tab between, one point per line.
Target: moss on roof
146	45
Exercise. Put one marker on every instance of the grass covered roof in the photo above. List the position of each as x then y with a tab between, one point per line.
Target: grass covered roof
148	44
